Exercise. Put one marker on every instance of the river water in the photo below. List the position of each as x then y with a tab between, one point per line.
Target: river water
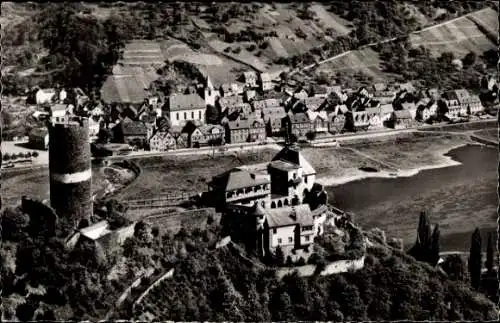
459	198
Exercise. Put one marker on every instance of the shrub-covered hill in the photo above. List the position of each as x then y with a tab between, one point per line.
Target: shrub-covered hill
222	286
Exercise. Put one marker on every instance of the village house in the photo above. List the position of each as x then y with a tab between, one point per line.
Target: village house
273	112
45	96
226	102
249	95
468	104
336	123
131	132
181	108
266	83
94	127
407	87
310	103
38	138
363	92
386	111
424	112
57	110
181	138
297	124
374	118
97	110
204	135
318	91
401	119
162	141
411	107
300	94
245	130
250	78
357	120
273	126
230	89
259	105
318	120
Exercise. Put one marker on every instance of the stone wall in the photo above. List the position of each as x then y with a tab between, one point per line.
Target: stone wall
336	267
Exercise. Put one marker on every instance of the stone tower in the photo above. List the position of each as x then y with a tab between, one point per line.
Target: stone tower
70	169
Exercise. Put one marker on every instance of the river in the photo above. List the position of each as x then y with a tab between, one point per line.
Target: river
459	198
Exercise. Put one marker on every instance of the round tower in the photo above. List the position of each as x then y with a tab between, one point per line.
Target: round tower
70	169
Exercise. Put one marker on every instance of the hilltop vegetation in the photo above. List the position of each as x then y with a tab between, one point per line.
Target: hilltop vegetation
220	286
266	36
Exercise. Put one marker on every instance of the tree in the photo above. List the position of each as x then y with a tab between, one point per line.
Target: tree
279	256
489	253
420	251
454	266
475	259
34	154
212	115
469	59
6	157
311	135
14	224
434	254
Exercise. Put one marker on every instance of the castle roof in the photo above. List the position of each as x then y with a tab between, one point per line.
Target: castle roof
237	178
292	154
286	216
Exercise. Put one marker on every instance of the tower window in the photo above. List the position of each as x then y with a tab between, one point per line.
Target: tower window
177	115
199	115
290	239
279	241
192	115
185	115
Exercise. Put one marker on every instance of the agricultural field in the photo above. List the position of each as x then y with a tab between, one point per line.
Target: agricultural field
461	35
329	20
366	61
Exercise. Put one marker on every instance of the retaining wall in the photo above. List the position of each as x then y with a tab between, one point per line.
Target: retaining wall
336	267
168	274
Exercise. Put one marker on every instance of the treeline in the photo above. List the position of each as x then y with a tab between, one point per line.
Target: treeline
446	71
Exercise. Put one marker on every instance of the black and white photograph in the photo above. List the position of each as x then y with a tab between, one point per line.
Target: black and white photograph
220	161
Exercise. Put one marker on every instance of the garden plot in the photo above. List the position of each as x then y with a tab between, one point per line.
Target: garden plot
488	19
243	56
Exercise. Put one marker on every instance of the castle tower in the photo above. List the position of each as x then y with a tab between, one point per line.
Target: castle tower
70	169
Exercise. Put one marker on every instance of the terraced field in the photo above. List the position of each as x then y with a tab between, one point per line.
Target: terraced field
462	35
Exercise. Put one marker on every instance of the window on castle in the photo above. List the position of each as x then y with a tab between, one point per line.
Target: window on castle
199	115
192	114
305	179
185	115
290	239
177	115
280	241
274	231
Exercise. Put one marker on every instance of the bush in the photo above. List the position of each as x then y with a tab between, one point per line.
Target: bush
34	154
237	50
6	156
251	47
264	45
227	49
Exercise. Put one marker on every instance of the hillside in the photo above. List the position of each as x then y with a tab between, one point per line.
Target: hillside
225	39
221	286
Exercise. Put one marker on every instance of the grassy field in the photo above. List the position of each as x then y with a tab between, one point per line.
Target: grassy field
365	61
184	174
491	134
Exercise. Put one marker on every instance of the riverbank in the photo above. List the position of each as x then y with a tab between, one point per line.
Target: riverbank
458	198
357	174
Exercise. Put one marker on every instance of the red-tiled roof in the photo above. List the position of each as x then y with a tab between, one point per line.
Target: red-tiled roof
286	216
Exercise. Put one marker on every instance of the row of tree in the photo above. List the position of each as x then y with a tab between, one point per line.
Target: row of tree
7	156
